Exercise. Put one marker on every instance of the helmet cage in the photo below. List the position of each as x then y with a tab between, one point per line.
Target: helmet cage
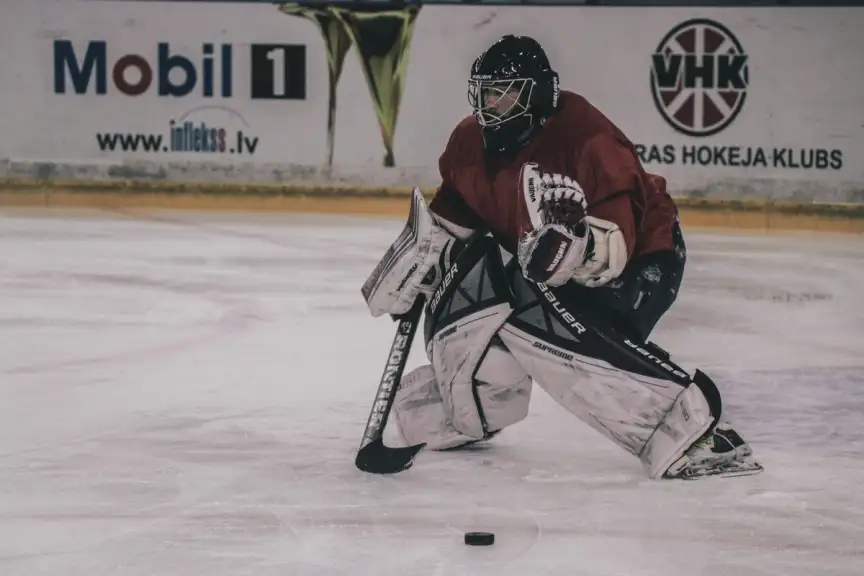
496	101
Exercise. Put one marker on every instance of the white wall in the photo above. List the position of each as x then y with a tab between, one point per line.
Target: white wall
805	93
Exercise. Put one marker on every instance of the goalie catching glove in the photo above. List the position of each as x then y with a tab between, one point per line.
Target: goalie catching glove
562	243
413	265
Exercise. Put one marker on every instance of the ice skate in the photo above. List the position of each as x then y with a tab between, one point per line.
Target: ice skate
721	453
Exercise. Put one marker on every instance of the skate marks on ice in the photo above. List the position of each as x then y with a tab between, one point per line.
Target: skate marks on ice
812	412
769	304
101	277
172	492
248	493
233	455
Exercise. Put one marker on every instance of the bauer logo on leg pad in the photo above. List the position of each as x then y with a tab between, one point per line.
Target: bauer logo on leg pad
566	316
445	283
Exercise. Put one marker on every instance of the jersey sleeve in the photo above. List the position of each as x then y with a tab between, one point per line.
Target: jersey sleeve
610	176
448	203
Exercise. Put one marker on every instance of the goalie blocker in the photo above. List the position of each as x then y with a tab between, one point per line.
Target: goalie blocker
490	333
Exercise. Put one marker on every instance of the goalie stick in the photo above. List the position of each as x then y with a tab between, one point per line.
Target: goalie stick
374	457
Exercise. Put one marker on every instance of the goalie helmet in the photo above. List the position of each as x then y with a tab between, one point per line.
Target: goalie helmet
512	90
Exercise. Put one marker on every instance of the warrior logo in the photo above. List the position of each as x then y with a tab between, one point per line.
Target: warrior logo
699	77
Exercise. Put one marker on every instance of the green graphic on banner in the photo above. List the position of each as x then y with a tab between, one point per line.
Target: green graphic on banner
383	39
337	43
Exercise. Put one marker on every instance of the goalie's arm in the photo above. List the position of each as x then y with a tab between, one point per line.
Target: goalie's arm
561	242
453	213
414	264
613	177
609	172
449	206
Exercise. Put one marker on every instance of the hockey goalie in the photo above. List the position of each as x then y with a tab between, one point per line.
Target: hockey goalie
546	257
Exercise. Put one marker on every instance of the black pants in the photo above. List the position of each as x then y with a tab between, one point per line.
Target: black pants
635	301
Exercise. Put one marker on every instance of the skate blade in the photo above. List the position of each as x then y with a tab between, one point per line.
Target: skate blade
750	470
734	471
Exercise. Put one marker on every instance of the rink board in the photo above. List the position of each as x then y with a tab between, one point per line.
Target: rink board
757	215
771	110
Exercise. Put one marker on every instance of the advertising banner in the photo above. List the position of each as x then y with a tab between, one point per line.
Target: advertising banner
761	102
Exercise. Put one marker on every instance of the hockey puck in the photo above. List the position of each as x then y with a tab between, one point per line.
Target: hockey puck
479	538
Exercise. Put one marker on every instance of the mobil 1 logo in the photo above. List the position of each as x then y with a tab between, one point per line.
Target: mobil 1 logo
699	77
278	72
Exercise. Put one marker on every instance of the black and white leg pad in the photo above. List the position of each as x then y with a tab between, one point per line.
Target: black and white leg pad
630	392
473	385
688	420
420	414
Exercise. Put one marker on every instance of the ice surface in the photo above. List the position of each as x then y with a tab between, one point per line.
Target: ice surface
184	394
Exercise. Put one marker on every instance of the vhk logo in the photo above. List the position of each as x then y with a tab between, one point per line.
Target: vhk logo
699	77
133	74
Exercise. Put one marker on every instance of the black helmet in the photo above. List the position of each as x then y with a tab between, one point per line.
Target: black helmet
512	89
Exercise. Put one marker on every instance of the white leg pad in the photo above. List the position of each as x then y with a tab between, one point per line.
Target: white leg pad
689	418
419	415
624	407
455	352
503	387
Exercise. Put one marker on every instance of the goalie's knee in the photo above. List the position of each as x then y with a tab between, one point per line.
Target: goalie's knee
503	388
425	412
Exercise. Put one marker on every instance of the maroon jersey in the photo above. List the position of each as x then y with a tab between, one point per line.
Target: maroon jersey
577	141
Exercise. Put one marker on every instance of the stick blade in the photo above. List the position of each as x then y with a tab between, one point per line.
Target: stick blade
376	458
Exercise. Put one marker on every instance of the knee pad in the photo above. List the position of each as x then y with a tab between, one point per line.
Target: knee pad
503	387
419	416
629	391
462	318
473	385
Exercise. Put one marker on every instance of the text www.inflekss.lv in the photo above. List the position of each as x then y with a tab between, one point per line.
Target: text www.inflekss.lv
185	137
